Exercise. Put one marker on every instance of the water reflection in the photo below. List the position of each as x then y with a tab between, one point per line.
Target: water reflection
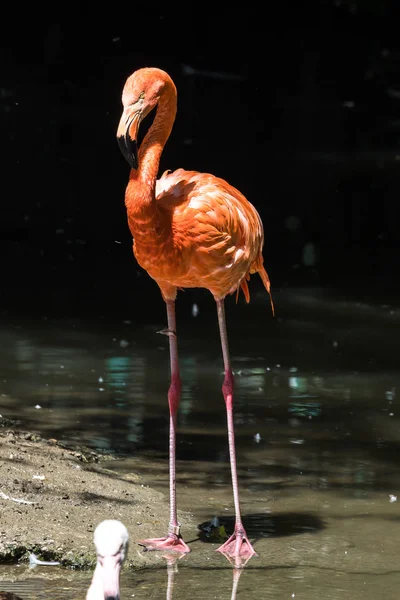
171	582
58	380
172	574
178	581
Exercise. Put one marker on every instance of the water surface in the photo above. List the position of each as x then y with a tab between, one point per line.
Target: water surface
317	424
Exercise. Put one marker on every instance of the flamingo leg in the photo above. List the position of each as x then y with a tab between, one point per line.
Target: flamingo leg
237	548
173	540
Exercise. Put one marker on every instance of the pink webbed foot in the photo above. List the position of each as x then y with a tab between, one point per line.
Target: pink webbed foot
238	549
171	543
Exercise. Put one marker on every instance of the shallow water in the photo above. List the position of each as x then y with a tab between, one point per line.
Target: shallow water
317	425
308	582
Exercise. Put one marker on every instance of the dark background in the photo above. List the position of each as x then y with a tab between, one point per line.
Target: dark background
297	106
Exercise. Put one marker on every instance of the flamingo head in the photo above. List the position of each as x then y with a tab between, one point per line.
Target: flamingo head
141	94
111	541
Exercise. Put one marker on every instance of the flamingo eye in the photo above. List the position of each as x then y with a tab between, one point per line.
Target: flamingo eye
141	96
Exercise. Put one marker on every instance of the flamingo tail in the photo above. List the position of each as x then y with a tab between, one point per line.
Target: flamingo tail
245	288
267	284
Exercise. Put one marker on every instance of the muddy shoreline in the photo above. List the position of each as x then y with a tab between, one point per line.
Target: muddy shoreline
53	496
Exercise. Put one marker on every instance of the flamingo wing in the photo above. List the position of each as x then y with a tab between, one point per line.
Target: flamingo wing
216	233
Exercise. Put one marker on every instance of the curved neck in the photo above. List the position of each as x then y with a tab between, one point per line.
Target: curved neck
144	178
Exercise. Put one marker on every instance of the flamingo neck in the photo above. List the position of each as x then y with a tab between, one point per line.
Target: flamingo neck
140	194
95	591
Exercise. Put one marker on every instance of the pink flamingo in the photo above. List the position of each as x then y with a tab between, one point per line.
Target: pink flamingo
190	229
111	541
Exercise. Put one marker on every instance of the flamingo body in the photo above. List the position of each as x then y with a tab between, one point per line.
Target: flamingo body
190	229
207	235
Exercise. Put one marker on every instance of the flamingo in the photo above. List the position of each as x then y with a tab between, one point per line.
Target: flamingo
111	541
190	229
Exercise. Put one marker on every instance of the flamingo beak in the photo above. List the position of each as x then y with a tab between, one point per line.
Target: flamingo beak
110	571
127	135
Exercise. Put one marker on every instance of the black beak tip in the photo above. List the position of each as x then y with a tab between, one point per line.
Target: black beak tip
129	150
